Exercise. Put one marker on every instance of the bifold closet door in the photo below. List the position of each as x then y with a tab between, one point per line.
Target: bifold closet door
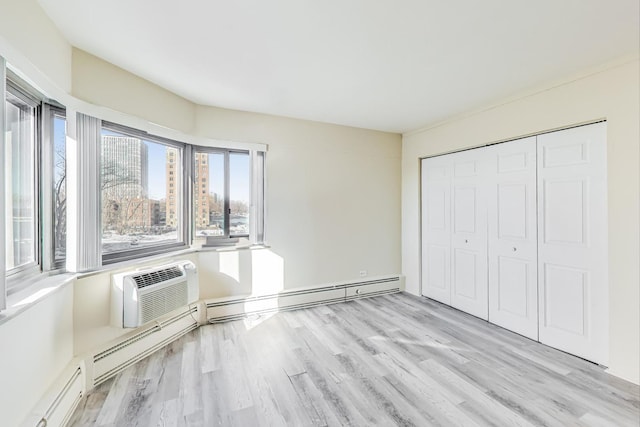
469	232
512	236
436	228
572	241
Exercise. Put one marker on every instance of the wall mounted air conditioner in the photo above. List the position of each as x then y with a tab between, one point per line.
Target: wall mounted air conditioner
140	296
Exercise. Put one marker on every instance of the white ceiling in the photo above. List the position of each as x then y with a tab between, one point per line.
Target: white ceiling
393	65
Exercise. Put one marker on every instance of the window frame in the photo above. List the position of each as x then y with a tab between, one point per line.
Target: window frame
226	152
18	277
182	230
47	198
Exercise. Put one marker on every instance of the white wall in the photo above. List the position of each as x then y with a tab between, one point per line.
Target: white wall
612	94
37	345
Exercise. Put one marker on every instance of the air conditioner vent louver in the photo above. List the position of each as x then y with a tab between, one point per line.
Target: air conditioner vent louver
157	276
156	303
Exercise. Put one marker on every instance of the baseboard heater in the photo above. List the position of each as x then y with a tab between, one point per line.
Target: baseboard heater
58	404
124	353
239	307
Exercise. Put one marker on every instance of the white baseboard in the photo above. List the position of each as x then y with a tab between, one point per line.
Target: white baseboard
125	351
56	407
631	379
225	309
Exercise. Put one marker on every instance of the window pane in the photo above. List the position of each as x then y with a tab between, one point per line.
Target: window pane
19	183
59	186
239	172
209	194
141	193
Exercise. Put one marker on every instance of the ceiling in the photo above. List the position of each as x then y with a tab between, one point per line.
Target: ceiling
379	64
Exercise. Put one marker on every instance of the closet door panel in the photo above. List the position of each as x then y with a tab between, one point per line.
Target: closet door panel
469	233
512	237
572	232
436	228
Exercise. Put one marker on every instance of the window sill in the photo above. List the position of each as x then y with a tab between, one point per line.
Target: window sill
135	261
238	247
33	294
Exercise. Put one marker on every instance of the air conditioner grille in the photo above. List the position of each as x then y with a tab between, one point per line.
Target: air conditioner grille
160	302
153	277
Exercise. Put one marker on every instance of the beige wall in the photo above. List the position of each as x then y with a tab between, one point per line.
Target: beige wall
333	205
612	94
30	41
101	83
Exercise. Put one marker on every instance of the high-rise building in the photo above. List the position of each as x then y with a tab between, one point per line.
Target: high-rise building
124	183
172	169
201	190
125	162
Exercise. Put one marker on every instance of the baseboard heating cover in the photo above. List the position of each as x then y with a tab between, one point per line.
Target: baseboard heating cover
57	406
239	307
133	348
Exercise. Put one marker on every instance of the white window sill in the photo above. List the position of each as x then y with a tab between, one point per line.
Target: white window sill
31	295
238	247
135	261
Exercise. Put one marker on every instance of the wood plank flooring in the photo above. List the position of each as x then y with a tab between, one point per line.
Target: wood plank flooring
390	360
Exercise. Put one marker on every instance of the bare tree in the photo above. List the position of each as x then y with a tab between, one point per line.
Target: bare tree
122	201
60	203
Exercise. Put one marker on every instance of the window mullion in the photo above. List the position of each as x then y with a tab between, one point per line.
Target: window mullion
46	196
227	204
188	178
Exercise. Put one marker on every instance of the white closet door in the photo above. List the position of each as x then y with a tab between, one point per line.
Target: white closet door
512	236
436	228
572	236
469	233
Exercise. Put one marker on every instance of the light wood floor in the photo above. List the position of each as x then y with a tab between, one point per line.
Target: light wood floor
391	360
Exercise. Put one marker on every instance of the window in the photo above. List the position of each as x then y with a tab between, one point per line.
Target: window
34	180
58	125
141	211
222	196
20	180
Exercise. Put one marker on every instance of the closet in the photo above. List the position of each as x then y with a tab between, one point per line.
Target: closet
516	234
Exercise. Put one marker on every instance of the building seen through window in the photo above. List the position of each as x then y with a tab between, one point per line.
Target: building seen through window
141	206
221	193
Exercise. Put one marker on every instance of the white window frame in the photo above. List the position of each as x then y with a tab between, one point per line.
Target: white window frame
3	278
19	277
49	260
